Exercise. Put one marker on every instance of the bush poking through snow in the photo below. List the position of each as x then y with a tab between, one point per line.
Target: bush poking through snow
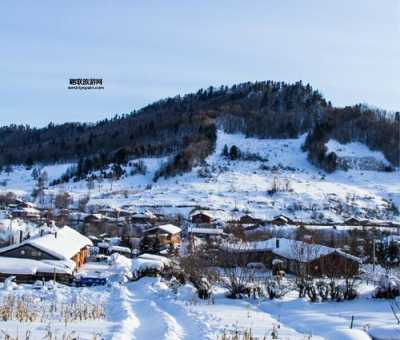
388	288
322	290
276	287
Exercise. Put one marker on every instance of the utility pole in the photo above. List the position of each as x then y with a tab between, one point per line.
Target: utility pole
10	232
373	255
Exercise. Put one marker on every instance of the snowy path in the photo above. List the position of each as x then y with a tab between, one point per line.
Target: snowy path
141	312
122	314
145	310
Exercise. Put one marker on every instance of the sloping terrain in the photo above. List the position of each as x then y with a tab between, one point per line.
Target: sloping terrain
270	177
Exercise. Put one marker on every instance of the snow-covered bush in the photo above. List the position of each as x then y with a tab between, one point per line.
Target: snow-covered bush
276	287
196	269
187	292
150	265
138	168
323	290
121	266
388	287
237	281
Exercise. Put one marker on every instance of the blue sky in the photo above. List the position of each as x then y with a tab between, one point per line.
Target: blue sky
147	50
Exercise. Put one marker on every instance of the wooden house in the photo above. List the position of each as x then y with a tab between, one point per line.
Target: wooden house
300	258
66	244
29	271
201	217
248	219
353	221
281	220
95	218
28	212
143	218
167	236
205	233
199	236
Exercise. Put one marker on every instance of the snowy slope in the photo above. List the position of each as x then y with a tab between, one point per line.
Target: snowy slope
232	188
354	149
356	155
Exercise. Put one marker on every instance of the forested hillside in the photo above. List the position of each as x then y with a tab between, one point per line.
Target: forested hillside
185	127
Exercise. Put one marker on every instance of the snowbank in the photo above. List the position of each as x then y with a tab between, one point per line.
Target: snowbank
187	292
348	334
385	332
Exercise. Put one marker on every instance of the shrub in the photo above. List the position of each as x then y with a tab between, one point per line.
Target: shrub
388	287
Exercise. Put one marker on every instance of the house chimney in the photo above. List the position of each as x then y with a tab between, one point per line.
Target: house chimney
55	234
277	243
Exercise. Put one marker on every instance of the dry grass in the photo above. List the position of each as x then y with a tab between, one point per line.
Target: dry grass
48	334
27	308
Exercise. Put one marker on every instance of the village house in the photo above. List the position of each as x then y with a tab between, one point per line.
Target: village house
298	257
143	217
95	224
353	221
248	219
162	237
26	211
201	217
64	250
198	236
281	220
204	233
95	218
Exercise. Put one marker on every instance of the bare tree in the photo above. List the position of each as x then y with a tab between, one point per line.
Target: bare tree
90	185
236	276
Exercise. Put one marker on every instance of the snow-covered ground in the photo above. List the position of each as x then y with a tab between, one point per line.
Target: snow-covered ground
233	188
356	150
149	309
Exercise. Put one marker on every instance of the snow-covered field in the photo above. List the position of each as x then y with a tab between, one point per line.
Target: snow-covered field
233	188
150	309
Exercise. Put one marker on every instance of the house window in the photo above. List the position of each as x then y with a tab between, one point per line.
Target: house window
36	253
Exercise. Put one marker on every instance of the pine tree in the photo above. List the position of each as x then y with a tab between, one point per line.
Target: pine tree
225	151
234	152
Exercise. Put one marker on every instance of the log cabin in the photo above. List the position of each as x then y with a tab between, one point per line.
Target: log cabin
65	244
161	237
298	257
201	217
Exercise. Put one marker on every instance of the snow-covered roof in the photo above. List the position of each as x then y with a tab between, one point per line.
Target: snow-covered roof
168	228
63	244
17	266
119	248
202	212
103	245
281	217
98	217
162	259
146	214
140	265
210	231
290	249
28	210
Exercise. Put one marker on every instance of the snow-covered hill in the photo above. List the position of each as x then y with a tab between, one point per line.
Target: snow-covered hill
272	177
357	156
